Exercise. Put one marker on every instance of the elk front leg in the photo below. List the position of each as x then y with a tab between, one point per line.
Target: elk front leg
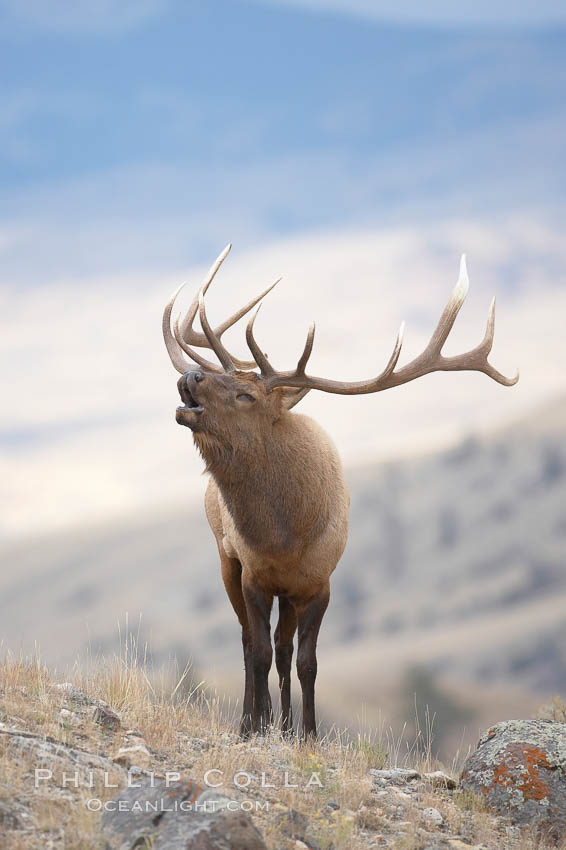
284	633
232	577
258	607
309	616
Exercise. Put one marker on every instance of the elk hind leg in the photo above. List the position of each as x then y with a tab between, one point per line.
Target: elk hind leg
309	617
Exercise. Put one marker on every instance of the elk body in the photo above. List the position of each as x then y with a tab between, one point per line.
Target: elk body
277	501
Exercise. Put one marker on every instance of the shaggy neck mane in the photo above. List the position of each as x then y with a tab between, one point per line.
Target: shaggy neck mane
267	487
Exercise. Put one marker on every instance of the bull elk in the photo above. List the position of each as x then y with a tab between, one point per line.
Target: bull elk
277	501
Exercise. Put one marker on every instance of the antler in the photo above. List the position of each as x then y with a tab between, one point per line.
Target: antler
431	359
185	335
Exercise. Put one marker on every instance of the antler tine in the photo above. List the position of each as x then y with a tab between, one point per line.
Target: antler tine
200	340
265	366
187	331
307	351
198	358
450	312
231	320
185	336
477	357
173	343
215	343
430	360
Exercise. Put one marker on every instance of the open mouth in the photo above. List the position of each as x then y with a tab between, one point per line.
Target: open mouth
190	405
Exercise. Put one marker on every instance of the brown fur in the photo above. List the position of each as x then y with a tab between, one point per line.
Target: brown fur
277	503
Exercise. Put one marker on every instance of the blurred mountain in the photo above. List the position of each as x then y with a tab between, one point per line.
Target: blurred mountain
455	563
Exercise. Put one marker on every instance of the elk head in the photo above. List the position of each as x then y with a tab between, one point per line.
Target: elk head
228	405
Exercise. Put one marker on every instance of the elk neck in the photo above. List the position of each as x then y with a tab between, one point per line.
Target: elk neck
273	487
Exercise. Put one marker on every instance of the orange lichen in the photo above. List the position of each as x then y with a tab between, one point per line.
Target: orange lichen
500	776
531	783
533	786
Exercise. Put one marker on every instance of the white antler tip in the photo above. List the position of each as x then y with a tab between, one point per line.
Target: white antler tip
174	296
401	333
222	256
463	282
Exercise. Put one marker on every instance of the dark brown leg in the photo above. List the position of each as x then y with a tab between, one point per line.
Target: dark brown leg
284	633
232	577
309	617
258	607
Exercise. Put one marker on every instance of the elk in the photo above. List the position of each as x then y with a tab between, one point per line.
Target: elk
277	501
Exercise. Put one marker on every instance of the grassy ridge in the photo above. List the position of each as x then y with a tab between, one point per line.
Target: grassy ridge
166	724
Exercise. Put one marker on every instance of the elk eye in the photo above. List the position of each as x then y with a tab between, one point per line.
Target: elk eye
245	397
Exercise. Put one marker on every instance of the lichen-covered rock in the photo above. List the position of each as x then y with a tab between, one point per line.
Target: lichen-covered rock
519	767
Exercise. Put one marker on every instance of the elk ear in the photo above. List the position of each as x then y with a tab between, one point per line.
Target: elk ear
291	396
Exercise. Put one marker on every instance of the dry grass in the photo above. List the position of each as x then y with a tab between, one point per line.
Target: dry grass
189	730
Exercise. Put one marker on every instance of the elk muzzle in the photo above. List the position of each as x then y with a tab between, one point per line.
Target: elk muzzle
189	412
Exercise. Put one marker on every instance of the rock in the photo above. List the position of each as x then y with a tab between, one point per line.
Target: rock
69	717
393	776
55	755
519	767
100	711
9	818
432	817
168	817
104	716
296	825
293	824
135	754
76	695
230	829
399	794
439	779
332	804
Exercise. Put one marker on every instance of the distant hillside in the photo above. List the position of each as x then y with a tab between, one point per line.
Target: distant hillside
458	560
455	563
